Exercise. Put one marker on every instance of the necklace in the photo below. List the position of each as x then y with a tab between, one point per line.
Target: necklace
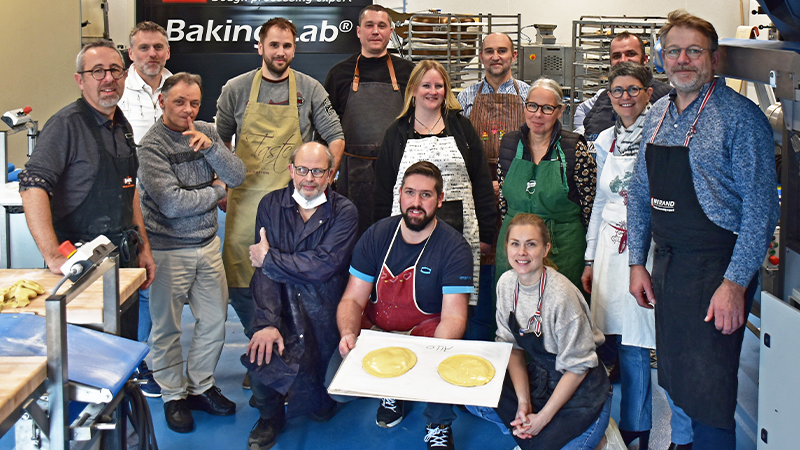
430	130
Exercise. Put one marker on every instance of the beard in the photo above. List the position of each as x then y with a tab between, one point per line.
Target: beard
275	69
417	224
701	77
149	70
108	101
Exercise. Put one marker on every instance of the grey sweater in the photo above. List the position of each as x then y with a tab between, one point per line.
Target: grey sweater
567	329
178	201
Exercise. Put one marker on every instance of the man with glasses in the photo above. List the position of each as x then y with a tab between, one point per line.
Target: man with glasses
596	114
704	189
305	234
80	180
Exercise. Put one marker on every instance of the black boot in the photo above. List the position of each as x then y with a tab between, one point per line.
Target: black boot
630	436
674	446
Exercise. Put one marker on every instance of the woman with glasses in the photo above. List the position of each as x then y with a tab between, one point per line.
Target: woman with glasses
547	171
431	128
628	328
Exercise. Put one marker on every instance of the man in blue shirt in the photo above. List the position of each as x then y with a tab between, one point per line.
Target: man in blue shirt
426	269
705	190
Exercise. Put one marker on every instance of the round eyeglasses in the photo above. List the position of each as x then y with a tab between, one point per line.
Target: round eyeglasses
99	73
547	110
303	171
633	91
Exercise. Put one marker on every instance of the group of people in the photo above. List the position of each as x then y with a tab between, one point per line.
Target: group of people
475	217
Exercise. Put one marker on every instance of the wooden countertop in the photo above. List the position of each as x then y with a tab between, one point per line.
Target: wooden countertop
20	376
87	308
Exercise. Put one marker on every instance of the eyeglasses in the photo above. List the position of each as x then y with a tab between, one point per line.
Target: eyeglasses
633	91
99	73
547	110
692	52
303	171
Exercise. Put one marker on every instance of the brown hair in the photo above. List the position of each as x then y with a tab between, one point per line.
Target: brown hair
376	8
523	219
185	77
279	22
147	26
426	169
681	18
631	69
450	101
628	35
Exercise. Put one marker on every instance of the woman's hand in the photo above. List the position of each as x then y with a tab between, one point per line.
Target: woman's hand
533	425
520	422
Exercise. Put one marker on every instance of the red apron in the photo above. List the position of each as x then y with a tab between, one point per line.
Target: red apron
395	307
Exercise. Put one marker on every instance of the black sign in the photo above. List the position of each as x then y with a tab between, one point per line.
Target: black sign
218	39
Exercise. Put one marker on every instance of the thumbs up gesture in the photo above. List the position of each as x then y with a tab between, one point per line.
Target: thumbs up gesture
197	140
259	250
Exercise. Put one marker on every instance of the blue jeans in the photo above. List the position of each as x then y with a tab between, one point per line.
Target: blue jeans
680	423
435	413
710	438
245	307
636	402
588	440
145	322
482	324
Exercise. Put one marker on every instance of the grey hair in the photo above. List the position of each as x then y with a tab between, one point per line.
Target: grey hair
95	44
148	26
631	69
327	153
550	85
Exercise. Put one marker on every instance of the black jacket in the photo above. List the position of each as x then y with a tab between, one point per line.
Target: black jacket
391	152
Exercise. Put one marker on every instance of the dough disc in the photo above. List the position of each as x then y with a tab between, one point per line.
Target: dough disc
466	370
389	362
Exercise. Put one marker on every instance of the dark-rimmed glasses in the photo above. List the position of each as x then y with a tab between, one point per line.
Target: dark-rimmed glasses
633	91
693	52
547	110
99	73
303	171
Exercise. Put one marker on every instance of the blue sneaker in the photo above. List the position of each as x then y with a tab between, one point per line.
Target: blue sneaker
146	381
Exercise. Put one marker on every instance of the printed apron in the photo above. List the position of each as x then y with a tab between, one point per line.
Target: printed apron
614	310
580	411
371	108
458	209
492	115
269	135
697	364
542	190
395	307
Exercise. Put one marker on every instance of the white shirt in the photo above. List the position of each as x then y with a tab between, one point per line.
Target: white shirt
139	102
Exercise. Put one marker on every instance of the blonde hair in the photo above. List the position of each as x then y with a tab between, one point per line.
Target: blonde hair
523	219
450	101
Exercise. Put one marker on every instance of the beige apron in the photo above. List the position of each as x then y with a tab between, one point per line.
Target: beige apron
269	135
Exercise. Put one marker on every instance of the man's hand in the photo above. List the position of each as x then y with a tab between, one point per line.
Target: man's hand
641	287
259	251
346	344
147	263
260	347
496	186
587	278
55	263
727	307
223	202
485	248
197	140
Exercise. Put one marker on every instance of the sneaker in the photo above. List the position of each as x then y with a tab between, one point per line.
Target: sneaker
265	432
439	436
144	378
179	418
390	413
246	381
213	402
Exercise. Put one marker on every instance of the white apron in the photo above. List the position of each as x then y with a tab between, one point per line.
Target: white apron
614	310
444	153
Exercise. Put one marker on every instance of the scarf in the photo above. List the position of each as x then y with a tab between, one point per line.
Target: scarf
629	139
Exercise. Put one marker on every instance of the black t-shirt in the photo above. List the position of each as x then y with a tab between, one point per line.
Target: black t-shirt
339	82
444	268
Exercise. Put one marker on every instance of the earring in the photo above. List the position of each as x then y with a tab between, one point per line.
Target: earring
414	102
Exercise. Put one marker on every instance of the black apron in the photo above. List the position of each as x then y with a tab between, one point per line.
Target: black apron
697	364
371	108
580	411
108	207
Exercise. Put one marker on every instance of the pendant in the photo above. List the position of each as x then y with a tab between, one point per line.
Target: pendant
531	187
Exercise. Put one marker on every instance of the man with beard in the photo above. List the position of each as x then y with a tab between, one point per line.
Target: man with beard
183	173
271	110
433	263
149	51
704	189
367	92
79	181
305	233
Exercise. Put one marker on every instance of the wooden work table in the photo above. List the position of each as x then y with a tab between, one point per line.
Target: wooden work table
87	308
20	376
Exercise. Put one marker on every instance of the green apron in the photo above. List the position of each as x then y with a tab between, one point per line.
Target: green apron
542	190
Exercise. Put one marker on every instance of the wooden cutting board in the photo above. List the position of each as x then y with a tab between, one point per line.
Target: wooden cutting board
87	308
19	377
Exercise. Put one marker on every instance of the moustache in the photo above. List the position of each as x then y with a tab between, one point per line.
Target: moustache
684	68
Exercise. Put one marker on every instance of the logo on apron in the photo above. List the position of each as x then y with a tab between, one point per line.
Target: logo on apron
662	205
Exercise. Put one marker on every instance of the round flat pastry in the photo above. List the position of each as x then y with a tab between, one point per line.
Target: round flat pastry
389	362
466	370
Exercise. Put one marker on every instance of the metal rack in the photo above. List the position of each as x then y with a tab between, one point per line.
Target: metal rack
454	41
591	41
